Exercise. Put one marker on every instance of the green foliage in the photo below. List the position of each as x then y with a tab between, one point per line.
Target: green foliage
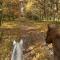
42	9
8	10
32	10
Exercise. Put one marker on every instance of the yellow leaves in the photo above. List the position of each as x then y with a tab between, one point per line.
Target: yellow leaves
41	55
37	55
0	9
9	25
29	6
34	58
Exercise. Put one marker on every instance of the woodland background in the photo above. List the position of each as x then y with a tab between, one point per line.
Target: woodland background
32	27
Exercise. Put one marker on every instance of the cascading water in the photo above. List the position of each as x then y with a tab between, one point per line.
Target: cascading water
17	51
21	6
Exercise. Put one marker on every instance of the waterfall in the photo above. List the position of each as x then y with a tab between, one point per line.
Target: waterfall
21	6
17	53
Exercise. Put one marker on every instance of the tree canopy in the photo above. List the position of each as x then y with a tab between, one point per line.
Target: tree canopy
33	9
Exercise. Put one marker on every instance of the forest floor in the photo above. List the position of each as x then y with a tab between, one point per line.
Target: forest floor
29	30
